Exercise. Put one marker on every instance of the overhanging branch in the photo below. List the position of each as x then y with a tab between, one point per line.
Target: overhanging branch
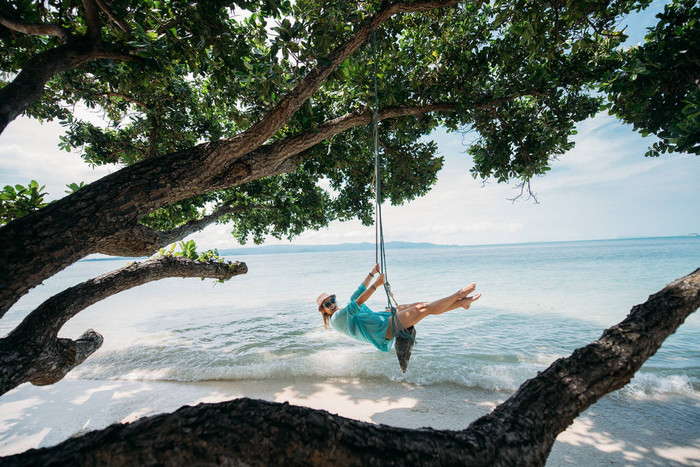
273	159
282	150
546	405
54	312
276	118
32	351
28	85
144	241
114	18
124	96
36	29
92	19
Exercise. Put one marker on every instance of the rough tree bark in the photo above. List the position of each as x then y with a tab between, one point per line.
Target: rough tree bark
521	431
32	352
144	241
82	223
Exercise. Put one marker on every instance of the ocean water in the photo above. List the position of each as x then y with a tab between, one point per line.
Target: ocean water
540	302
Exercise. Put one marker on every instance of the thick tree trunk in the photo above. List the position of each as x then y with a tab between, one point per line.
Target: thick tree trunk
521	431
33	352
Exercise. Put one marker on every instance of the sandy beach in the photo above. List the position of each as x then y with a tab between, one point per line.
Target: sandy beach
644	432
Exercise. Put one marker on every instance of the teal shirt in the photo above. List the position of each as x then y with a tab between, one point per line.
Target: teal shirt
361	323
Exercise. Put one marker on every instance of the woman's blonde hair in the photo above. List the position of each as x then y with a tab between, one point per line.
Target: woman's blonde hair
320	301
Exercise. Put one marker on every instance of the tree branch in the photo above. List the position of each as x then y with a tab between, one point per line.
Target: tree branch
112	55
144	241
546	405
126	97
36	29
520	431
164	27
122	24
51	315
28	85
598	31
32	352
282	150
112	206
17	96
278	116
92	19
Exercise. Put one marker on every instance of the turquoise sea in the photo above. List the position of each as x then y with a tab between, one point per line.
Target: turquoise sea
540	302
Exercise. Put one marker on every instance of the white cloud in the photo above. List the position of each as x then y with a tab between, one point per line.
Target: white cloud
29	151
606	152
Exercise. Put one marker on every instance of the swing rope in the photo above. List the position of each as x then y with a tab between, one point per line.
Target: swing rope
397	327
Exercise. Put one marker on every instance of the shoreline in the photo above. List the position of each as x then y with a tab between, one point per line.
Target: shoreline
613	431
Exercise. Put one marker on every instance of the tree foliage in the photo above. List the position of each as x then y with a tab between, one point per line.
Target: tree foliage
517	73
657	88
18	201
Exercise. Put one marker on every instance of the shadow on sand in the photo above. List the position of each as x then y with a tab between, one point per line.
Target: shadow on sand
615	431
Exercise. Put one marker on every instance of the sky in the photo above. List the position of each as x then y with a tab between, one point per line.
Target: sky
602	189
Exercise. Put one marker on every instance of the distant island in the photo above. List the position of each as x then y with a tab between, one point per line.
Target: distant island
277	249
365	246
397	245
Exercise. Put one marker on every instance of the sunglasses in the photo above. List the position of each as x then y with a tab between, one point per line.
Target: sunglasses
329	303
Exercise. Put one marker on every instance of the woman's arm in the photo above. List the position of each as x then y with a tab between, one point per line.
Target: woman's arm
369	277
370	290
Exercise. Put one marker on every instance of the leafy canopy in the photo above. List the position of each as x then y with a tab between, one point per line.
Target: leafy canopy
657	89
515	72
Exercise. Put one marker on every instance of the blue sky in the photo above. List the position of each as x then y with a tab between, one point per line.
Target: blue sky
603	188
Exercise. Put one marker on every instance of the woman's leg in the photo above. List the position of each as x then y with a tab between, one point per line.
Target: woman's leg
412	314
400	308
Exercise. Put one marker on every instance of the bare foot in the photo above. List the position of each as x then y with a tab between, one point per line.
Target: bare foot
467	302
464	292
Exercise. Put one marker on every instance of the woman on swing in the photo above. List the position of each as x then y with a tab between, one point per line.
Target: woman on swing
359	322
